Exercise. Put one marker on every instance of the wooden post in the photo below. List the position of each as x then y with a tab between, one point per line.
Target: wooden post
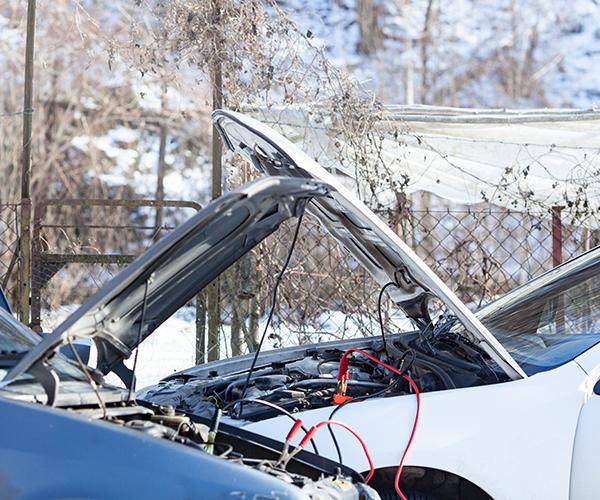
25	237
214	292
161	163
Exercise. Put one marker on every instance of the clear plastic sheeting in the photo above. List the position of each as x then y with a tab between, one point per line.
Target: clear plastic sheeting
516	159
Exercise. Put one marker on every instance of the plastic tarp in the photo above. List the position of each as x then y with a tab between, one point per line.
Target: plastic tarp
519	159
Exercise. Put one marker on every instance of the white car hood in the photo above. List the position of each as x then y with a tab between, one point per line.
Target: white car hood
371	242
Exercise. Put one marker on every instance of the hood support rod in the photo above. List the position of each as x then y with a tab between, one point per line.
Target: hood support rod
139	337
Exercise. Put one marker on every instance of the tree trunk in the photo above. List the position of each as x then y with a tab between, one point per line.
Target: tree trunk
214	294
237	337
425	40
370	33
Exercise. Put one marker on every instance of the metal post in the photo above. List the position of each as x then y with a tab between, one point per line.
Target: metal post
559	318
213	305
161	167
556	236
25	238
160	182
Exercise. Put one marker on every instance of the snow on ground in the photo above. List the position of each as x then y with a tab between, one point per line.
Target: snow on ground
169	349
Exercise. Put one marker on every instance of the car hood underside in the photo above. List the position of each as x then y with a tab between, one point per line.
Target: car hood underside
138	300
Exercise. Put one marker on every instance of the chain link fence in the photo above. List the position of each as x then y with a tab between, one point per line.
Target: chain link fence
9	246
78	245
480	252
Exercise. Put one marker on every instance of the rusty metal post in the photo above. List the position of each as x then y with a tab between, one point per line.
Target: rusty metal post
557	241
25	238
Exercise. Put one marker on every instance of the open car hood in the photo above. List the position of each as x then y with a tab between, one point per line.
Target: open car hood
371	242
174	270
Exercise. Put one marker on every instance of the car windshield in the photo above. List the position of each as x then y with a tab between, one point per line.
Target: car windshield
16	339
553	318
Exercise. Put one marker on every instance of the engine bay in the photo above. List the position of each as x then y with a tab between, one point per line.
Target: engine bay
315	476
290	381
308	378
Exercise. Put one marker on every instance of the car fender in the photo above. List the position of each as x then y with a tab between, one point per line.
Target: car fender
584	478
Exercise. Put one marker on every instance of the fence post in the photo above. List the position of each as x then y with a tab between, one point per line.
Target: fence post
25	239
25	261
557	241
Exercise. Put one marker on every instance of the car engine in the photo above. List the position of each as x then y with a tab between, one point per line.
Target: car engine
164	422
308	379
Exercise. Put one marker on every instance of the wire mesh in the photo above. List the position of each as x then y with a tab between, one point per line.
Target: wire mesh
9	249
79	245
480	252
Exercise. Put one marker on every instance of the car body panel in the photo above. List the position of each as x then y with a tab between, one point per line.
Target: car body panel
513	440
379	250
49	453
585	481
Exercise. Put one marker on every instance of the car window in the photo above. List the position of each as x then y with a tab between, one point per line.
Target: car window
573	311
551	320
16	338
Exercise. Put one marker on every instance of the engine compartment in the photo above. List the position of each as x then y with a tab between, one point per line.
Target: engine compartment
308	379
316	478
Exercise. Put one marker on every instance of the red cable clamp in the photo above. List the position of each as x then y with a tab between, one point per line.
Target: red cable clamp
293	430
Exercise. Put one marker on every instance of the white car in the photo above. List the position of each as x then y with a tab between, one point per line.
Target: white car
508	397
